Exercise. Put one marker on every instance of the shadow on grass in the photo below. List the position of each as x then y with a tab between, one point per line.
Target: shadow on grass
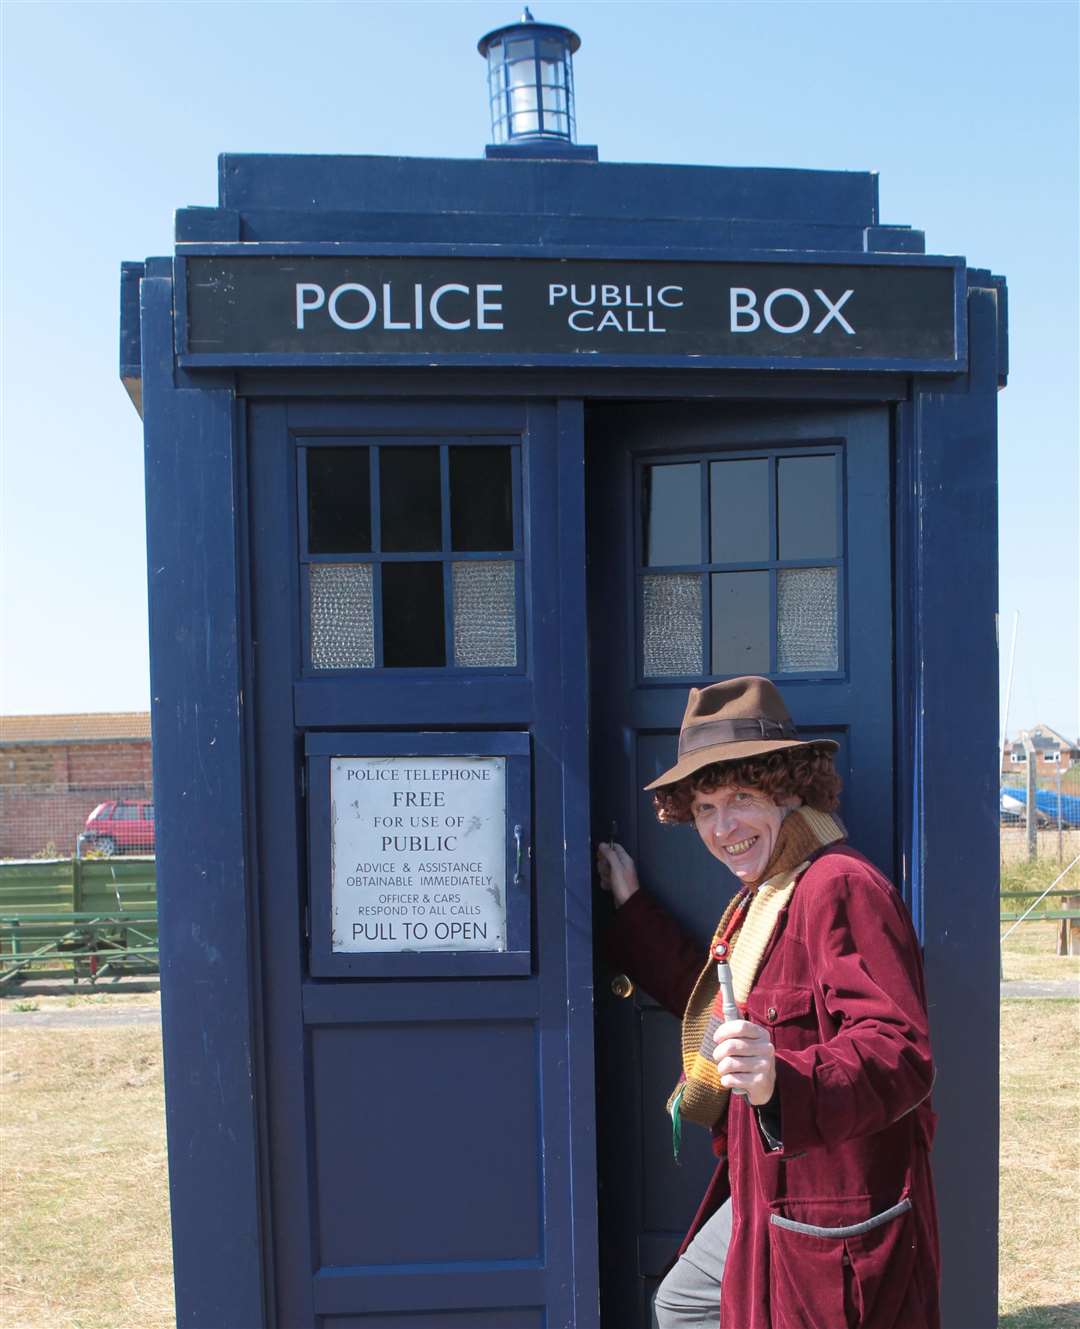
1063	1315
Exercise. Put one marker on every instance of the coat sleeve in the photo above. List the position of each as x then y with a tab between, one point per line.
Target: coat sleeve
867	969
647	944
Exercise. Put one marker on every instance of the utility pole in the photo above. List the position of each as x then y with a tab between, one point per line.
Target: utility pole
1061	842
1032	814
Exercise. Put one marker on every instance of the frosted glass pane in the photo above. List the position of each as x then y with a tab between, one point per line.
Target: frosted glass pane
342	616
671	625
485	628
807	627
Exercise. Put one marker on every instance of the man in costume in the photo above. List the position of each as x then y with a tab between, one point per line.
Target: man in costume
820	1213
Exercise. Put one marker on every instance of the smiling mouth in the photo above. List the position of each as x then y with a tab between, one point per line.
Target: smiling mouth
741	846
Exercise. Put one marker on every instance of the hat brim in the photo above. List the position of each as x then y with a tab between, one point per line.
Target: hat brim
722	754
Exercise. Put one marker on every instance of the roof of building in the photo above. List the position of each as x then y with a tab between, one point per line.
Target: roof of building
1052	735
1043	739
100	726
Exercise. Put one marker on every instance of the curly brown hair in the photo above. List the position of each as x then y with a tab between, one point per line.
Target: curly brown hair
808	773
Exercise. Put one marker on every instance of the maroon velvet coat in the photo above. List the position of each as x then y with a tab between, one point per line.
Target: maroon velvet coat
841	992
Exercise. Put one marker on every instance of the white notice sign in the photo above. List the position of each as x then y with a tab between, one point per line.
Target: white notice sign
418	853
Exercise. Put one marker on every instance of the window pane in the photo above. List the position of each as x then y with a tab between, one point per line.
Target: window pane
806	620
339	501
554	99
553	71
672	515
740	623
410	500
522	71
671	624
485	630
481	499
739	510
525	124
807	497
342	616
412	614
523	99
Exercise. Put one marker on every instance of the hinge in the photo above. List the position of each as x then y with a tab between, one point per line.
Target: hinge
303	782
307	922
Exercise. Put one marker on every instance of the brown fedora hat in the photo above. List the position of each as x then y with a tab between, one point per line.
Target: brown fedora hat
733	720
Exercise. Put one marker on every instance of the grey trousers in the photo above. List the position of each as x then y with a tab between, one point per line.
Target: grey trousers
689	1297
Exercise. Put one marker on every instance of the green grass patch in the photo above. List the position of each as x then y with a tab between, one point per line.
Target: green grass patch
1037	876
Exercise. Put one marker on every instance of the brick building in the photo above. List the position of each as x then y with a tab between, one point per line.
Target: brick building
54	769
1053	753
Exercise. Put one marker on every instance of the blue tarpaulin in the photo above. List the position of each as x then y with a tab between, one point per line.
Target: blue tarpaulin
1046	800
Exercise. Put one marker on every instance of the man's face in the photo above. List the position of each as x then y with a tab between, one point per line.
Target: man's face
739	826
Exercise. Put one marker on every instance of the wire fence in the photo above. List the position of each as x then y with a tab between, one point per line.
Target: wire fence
76	820
1057	817
1049	845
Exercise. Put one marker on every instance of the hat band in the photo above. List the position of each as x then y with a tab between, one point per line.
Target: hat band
733	731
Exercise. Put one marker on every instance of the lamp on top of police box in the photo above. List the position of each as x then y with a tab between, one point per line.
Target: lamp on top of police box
531	81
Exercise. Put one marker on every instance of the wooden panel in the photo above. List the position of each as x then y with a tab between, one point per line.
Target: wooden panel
428	1121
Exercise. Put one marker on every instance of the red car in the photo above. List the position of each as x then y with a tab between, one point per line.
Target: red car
120	826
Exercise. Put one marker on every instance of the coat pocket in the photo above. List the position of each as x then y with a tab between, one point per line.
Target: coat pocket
849	1275
787	1013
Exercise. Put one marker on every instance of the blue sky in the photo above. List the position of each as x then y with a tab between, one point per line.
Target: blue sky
113	115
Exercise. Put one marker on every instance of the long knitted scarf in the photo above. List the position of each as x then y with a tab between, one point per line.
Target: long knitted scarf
699	1096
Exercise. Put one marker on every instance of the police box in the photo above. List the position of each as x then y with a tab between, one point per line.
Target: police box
459	473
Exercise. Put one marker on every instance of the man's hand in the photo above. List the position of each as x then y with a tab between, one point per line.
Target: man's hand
746	1059
617	872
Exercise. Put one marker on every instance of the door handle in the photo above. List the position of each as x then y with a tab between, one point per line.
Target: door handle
621	986
519	854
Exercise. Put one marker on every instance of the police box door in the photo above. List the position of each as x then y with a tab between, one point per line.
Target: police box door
723	540
418	596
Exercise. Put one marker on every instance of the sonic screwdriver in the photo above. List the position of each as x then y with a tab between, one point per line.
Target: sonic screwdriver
727	1001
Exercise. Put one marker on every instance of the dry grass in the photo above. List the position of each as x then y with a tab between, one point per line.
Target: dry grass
1014	846
1039	1285
1029	954
83	1192
84	1225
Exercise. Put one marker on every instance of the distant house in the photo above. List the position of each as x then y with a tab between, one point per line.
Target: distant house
55	769
1053	753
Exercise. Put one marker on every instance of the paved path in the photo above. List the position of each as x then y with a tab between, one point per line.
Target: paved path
79	1017
1060	989
103	1017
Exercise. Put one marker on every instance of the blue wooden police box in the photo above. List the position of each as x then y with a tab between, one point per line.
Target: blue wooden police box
467	466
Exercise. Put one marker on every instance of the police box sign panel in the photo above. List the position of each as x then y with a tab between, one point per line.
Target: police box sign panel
418	853
569	308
